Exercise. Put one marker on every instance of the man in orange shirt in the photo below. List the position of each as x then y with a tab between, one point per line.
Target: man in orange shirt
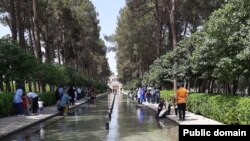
181	98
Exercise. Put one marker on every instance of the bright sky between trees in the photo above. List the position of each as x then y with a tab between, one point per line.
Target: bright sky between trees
108	11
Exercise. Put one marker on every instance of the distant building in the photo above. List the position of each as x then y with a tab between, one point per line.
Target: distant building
114	84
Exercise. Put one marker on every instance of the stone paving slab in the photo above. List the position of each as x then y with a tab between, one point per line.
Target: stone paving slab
191	118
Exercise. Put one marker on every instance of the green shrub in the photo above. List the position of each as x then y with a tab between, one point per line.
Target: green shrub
6	104
243	109
166	94
228	109
48	98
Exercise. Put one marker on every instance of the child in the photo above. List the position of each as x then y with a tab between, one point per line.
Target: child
25	104
40	106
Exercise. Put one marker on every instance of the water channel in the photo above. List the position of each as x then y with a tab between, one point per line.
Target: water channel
87	123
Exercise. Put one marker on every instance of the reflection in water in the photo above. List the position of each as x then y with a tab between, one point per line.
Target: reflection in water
87	123
113	132
140	115
42	133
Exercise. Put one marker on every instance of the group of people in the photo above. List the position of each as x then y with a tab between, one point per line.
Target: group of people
178	101
67	96
147	95
24	102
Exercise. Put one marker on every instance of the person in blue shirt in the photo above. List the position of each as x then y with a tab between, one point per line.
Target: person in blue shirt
59	92
63	103
17	101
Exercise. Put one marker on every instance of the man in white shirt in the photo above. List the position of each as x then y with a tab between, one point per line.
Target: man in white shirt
34	98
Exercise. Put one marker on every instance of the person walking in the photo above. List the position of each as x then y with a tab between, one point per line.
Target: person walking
181	98
34	98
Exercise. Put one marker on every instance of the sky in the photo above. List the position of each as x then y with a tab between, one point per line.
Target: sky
4	30
108	11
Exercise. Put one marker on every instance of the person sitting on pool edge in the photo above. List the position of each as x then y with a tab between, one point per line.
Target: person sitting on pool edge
63	105
160	107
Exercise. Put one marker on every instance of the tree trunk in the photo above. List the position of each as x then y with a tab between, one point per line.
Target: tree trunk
1	86
39	86
173	28
188	83
51	88
225	90
158	17
170	37
46	41
36	32
235	85
63	45
211	87
228	88
13	24
35	86
31	36
58	49
12	86
7	88
195	85
20	19
248	90
43	85
30	86
199	86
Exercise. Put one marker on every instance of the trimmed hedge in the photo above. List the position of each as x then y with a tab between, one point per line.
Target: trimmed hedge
227	109
48	98
6	106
